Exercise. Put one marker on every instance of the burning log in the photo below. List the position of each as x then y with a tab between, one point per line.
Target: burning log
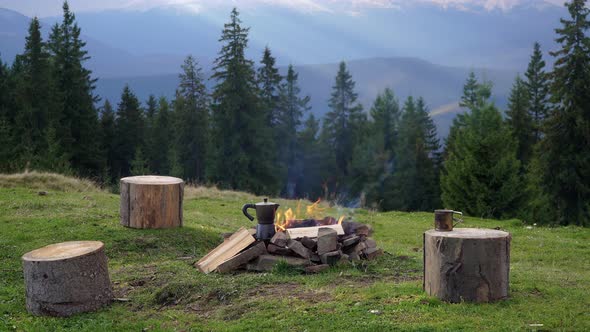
300	232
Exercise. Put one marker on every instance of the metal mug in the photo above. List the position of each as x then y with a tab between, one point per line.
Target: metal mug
443	220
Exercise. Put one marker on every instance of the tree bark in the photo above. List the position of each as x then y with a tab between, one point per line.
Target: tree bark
66	278
151	202
467	264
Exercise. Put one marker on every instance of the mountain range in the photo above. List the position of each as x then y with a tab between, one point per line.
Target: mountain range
421	49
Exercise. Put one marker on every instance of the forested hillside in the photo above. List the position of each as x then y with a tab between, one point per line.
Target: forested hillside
251	129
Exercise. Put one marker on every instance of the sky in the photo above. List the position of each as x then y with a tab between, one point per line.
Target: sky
43	8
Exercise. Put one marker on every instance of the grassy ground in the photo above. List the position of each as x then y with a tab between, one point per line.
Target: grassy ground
550	271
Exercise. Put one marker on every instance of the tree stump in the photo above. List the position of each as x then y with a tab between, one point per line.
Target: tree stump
467	264
151	201
67	278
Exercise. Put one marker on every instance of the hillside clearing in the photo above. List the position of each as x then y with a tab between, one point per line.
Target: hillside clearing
550	271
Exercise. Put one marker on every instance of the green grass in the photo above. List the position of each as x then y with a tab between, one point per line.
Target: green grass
549	277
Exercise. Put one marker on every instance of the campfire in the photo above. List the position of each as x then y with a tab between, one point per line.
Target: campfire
313	243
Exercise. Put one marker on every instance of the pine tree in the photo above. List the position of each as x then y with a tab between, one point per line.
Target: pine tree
310	180
375	152
269	81
76	119
386	114
537	83
290	109
564	152
34	96
108	146
192	127
475	95
481	173
6	153
342	122
162	139
241	132
139	164
520	122
413	185
130	131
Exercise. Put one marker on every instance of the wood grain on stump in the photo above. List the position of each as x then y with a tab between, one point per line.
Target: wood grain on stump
66	278
151	201
467	264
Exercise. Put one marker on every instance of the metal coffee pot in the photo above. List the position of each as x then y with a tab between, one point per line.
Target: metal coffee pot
265	213
443	220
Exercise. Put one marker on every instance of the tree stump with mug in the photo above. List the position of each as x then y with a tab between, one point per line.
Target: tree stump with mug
67	278
151	201
467	264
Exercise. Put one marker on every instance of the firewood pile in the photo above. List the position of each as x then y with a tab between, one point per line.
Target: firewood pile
312	248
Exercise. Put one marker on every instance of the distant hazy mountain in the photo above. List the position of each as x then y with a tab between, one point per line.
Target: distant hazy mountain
479	38
441	86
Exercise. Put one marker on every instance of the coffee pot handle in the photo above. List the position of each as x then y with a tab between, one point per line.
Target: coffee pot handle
245	210
458	220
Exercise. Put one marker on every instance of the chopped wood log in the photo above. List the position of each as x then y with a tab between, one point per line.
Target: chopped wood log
370	243
351	241
276	250
331	258
298	233
467	264
309	243
67	278
315	257
236	243
265	263
279	239
242	258
151	201
316	268
351	227
299	249
327	240
372	253
354	256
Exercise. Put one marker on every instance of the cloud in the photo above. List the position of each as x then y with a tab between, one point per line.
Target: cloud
353	7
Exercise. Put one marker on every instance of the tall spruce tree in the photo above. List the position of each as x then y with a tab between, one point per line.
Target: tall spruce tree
108	141
192	121
342	124
130	131
520	122
76	119
476	95
269	81
537	83
310	180
6	124
413	186
291	107
34	97
162	139
481	173
564	154
241	132
375	152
